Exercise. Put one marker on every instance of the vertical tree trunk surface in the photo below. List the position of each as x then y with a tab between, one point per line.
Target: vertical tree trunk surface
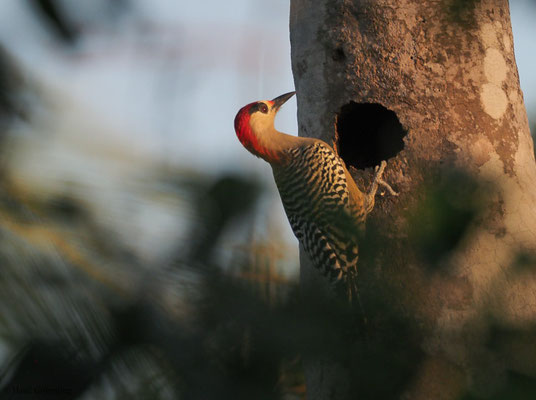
448	72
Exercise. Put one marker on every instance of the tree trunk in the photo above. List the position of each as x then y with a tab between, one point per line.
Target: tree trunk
446	70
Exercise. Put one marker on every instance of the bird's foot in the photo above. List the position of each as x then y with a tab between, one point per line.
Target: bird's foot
369	198
378	180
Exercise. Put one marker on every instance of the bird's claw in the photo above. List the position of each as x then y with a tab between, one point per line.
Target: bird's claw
378	172
378	169
388	187
378	178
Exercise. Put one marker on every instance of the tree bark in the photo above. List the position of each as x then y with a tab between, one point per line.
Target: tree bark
448	72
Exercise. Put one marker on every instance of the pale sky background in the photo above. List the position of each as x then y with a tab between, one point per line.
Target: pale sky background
171	75
162	84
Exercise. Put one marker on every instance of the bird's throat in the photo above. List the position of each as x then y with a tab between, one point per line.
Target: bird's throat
258	145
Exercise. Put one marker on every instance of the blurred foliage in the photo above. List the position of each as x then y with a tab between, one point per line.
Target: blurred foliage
524	262
72	329
461	11
12	103
52	13
74	334
517	387
57	17
441	220
217	205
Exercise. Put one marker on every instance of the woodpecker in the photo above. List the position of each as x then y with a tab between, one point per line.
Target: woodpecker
323	204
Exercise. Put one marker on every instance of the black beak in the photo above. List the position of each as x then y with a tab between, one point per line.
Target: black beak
280	100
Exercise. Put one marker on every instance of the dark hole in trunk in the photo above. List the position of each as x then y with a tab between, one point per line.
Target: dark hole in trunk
368	133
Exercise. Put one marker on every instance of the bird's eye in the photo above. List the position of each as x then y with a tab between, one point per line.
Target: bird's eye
263	108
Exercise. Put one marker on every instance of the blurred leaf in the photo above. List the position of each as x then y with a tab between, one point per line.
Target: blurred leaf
525	261
518	387
12	84
54	17
218	204
443	216
461	11
49	371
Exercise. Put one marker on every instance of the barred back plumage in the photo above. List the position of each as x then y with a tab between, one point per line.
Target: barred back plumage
313	184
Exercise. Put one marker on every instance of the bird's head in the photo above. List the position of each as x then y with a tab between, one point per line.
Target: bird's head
255	122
